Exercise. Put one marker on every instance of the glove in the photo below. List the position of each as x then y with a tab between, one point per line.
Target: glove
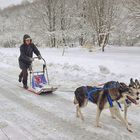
39	57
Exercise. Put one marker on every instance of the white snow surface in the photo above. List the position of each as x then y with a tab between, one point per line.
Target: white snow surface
24	115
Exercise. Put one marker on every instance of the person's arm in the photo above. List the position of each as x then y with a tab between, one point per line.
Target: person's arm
24	56
37	52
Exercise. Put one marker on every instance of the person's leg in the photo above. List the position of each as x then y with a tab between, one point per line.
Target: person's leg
20	76
25	78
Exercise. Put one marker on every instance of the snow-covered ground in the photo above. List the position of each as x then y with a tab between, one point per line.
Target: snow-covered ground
27	116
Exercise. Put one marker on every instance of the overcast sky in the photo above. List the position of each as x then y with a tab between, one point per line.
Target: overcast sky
5	3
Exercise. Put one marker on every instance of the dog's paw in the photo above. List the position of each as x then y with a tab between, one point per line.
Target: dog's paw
82	118
130	130
77	116
113	117
98	125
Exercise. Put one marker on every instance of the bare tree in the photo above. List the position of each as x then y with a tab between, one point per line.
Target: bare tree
134	19
83	15
46	11
134	7
101	16
71	22
65	22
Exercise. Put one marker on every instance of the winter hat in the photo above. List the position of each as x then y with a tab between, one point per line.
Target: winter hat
25	37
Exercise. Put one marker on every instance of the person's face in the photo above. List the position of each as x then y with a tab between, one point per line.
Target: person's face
28	41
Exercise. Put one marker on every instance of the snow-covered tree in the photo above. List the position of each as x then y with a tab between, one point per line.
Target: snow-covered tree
101	16
64	23
134	19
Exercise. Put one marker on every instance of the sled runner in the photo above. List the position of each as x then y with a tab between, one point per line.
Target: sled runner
39	80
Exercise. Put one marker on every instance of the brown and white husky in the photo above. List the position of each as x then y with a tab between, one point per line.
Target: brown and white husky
120	92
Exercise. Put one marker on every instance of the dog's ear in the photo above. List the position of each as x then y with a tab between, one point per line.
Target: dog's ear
131	79
132	83
137	83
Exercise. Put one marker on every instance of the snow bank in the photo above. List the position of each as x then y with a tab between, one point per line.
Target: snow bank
80	67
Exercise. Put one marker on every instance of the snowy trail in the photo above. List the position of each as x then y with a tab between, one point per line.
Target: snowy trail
46	119
55	119
52	117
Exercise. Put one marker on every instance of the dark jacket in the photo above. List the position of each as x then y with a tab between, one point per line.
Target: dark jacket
26	53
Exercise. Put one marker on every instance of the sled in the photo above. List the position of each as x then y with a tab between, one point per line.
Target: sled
39	80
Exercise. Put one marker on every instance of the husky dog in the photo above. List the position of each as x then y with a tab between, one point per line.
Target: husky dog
135	86
100	97
130	97
134	91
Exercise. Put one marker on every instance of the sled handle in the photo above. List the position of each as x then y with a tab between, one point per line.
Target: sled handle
44	68
41	58
44	65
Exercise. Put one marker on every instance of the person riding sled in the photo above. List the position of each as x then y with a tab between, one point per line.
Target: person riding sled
26	58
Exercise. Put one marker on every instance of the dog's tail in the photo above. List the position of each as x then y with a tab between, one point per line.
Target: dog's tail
75	101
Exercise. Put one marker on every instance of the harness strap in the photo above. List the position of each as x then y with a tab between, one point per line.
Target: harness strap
89	94
127	101
109	100
95	89
119	105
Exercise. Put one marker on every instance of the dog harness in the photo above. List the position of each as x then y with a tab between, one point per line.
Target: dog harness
90	93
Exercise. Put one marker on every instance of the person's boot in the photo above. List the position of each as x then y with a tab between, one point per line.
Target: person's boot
25	86
20	78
